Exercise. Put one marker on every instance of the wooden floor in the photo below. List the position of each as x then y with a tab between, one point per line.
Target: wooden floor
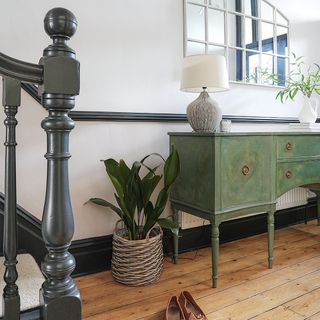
247	288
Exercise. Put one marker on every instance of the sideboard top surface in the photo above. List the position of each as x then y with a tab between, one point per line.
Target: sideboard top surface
226	134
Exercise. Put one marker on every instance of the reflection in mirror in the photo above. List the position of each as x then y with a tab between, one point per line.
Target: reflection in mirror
251	8
255	36
267	37
235	30
281	19
196	22
252	66
283	70
235	5
216	50
266	11
216	3
235	65
268	66
195	48
216	26
199	1
282	40
252	34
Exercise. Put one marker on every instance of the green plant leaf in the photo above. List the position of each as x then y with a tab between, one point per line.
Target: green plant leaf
118	181
171	167
169	224
104	203
294	93
148	186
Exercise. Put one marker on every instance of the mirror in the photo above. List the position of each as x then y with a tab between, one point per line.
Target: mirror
252	34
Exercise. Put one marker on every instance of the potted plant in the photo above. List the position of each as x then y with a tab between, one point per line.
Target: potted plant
301	79
137	257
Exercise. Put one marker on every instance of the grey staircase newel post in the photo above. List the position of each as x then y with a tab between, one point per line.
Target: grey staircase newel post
11	300
59	295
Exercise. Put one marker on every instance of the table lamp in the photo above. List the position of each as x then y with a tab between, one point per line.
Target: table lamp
204	73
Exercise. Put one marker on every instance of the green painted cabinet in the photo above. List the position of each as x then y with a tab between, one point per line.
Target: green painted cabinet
229	175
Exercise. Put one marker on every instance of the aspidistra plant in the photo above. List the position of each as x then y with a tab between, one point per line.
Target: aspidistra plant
133	191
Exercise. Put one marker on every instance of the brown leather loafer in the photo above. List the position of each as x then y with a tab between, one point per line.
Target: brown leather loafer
174	311
190	308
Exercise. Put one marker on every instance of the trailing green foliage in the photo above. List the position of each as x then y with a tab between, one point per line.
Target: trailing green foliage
133	193
301	78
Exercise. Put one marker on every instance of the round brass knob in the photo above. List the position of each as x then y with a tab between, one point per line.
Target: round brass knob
288	174
245	170
289	146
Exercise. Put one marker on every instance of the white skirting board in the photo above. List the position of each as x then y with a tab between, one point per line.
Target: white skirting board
293	198
29	282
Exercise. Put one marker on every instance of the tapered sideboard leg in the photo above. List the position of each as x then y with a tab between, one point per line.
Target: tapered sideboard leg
270	237
215	253
175	216
318	207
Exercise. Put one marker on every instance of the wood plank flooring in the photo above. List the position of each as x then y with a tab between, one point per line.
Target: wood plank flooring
247	288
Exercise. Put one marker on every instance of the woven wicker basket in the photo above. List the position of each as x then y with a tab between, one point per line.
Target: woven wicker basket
137	262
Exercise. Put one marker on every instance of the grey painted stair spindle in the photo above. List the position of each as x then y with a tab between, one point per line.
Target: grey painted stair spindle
11	299
59	295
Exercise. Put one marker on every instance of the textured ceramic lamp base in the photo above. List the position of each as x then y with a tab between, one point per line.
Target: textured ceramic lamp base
204	114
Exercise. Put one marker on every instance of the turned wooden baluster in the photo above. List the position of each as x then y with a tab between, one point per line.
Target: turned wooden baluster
59	295
11	101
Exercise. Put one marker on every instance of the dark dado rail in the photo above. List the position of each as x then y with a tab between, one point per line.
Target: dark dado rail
58	78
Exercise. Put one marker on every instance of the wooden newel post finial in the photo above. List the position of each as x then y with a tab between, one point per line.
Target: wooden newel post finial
59	295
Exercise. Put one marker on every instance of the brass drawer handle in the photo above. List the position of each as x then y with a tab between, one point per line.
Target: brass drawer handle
288	174
289	146
245	170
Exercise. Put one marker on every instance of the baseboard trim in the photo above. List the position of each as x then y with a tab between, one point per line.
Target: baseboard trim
94	254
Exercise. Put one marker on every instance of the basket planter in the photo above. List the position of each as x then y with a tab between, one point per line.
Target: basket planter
137	262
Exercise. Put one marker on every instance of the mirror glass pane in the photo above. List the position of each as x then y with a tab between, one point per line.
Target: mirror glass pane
283	70
267	37
281	19
215	26
252	34
195	48
196	22
216	50
266	11
235	65
235	5
198	1
267	65
216	3
252	66
251	8
235	30
282	40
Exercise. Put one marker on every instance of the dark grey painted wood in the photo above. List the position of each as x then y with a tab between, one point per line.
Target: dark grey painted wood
20	70
11	101
59	295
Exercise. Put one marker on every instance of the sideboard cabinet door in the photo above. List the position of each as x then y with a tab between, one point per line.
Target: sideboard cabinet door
246	166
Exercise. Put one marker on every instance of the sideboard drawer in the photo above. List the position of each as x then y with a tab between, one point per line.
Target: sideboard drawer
295	174
298	146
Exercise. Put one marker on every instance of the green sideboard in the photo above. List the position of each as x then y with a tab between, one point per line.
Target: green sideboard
229	175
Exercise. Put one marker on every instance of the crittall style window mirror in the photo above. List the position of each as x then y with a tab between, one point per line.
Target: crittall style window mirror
252	34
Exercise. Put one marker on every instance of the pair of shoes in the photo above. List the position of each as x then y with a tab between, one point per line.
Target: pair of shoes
184	308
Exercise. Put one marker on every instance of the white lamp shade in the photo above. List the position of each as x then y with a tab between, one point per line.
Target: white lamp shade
205	70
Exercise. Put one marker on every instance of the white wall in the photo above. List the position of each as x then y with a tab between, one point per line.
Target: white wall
130	54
